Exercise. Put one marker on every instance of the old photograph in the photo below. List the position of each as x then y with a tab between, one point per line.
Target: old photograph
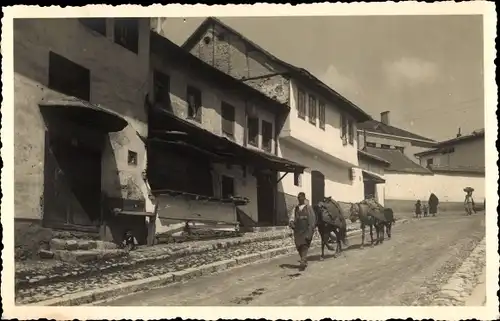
237	161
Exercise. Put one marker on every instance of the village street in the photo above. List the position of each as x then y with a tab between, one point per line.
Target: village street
406	270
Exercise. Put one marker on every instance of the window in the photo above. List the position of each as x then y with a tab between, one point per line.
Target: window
193	98
448	150
253	131
127	33
227	186
343	125
350	125
371	144
267	136
322	114
96	24
297	179
430	161
68	77
301	104
400	148
312	110
161	83
384	146
227	113
132	158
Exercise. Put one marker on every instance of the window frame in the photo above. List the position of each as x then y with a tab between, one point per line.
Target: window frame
256	120
301	104
192	91
122	25
86	22
59	77
269	125
224	120
322	114
312	107
159	78
297	179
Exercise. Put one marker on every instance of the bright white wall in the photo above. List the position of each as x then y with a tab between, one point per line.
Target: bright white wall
448	188
337	182
327	140
465	154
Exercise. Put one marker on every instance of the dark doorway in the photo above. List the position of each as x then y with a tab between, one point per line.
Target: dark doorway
370	189
72	184
317	187
227	186
265	198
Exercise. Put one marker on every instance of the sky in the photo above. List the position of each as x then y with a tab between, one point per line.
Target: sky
426	70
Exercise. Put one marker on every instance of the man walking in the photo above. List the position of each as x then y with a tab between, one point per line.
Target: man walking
303	223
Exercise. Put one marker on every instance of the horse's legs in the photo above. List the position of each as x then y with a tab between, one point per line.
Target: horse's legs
371	234
389	228
382	233
362	235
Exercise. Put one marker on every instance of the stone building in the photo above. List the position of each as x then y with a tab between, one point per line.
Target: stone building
318	132
80	119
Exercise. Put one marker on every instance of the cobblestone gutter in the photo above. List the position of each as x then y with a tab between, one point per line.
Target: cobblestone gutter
153	270
462	282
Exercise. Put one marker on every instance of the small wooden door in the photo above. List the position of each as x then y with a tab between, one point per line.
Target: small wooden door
265	199
317	187
72	185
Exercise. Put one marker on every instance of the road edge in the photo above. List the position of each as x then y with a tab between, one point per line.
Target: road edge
461	284
127	288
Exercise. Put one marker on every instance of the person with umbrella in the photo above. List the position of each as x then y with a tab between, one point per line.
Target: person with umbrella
469	201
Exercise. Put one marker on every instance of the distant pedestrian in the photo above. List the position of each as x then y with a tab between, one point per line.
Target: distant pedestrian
469	203
418	209
303	223
425	209
433	204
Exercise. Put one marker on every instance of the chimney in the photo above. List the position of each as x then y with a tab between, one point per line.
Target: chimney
459	132
384	117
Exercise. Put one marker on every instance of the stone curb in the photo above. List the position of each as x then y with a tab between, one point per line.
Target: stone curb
462	282
91	296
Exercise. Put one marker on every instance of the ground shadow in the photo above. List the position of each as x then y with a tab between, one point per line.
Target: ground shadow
290	266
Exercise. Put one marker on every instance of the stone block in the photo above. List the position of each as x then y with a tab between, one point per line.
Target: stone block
57	244
245	259
44	254
71	245
186	274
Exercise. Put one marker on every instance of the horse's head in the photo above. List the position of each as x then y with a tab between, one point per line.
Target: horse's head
354	212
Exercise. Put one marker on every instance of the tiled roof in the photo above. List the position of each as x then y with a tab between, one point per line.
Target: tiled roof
399	161
362	153
477	134
459	169
379	127
299	73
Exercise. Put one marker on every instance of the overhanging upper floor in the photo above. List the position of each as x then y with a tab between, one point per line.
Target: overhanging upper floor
166	128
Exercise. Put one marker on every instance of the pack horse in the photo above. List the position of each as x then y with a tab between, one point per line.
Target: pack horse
330	219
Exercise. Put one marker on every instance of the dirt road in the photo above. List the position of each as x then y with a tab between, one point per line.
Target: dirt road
406	270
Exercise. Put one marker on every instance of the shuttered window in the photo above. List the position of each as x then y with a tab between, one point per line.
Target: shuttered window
301	104
312	109
322	114
227	115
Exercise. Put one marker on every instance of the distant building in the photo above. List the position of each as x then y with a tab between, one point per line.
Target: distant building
464	152
318	132
373	175
381	134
